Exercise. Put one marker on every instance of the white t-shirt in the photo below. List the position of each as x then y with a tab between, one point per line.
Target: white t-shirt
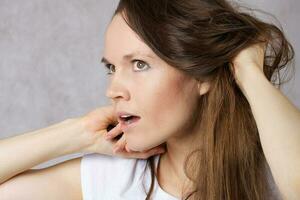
106	177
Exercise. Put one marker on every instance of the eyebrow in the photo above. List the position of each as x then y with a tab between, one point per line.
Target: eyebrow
127	57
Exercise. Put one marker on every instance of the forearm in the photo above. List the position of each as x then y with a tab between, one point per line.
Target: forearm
278	122
22	152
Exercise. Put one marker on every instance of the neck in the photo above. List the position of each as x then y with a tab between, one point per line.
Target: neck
174	158
171	174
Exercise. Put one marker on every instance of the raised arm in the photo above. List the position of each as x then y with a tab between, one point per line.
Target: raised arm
277	119
84	134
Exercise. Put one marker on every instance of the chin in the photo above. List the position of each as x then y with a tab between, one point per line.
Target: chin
140	142
136	147
140	146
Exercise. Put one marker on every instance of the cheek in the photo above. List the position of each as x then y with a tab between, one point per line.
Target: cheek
165	111
153	128
171	102
164	105
170	110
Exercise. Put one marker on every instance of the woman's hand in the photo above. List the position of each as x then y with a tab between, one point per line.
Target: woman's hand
276	117
247	61
97	125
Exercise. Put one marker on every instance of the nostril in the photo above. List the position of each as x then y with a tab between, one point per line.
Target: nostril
117	92
113	96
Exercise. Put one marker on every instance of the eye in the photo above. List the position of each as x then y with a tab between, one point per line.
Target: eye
108	66
140	64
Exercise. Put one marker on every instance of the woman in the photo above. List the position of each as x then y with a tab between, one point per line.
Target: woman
193	80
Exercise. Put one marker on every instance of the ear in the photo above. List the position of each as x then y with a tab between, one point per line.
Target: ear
203	87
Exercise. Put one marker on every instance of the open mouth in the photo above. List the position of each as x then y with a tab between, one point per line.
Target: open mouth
129	119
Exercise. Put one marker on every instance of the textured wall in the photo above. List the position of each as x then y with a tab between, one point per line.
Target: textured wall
50	59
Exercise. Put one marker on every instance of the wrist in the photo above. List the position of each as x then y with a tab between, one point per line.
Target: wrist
79	136
68	136
247	76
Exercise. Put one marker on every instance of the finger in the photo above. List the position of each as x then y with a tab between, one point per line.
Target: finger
120	145
145	154
127	149
113	132
111	116
156	150
100	117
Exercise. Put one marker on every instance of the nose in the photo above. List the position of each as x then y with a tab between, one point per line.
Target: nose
117	90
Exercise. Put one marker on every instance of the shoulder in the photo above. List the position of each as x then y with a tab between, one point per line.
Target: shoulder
103	175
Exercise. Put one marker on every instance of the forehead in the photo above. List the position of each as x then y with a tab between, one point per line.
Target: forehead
121	40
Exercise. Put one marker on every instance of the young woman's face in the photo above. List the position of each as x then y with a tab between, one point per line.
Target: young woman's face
161	95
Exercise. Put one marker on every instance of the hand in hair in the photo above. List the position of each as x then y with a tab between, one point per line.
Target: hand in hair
277	119
249	58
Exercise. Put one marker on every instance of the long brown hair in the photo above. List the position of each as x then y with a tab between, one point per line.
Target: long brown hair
200	38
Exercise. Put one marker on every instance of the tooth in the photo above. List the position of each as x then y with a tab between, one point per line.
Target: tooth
125	115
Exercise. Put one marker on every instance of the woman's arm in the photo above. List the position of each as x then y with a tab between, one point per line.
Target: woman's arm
84	134
25	151
277	119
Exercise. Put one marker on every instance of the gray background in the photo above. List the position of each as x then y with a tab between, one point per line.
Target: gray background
50	54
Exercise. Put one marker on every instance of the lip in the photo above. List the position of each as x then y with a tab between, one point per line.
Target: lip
120	113
124	125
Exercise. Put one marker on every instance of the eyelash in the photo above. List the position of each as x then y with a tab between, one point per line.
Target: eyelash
133	61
